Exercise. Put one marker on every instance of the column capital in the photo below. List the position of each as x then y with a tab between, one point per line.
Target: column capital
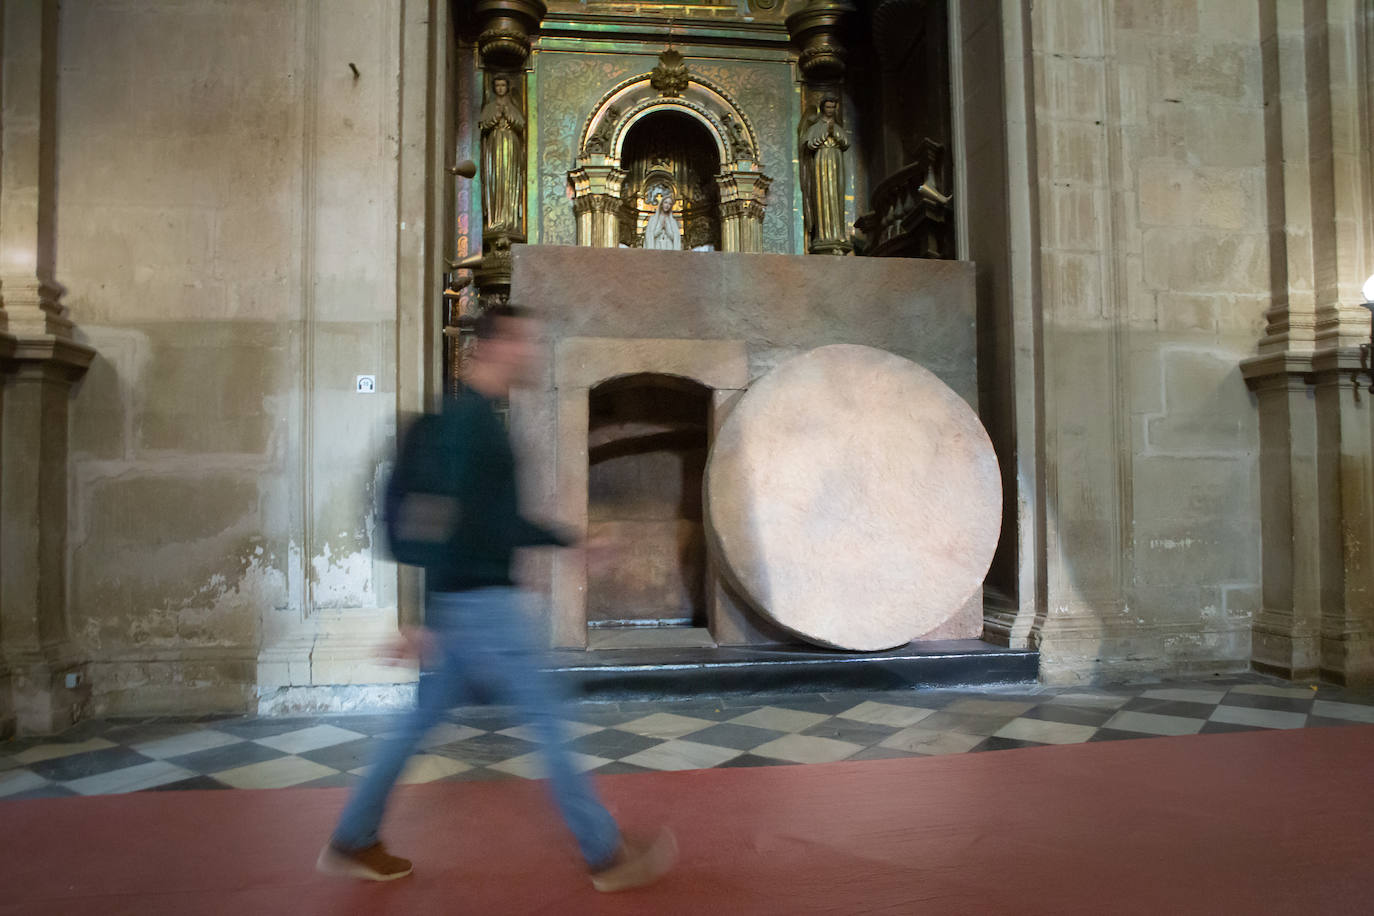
504	41
815	30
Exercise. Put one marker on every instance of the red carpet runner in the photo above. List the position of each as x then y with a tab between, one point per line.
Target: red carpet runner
1256	822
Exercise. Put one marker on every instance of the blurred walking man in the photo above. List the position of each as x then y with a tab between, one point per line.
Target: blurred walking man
478	642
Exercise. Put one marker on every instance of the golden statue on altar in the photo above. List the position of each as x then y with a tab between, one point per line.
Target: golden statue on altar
503	161
823	142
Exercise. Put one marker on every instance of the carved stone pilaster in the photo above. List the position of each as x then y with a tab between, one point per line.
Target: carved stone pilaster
596	204
743	197
39	361
36	651
603	203
30	299
1317	508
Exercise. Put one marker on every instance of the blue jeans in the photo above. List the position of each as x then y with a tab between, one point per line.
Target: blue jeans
488	654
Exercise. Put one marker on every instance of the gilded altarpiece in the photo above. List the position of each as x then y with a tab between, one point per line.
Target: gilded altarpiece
568	85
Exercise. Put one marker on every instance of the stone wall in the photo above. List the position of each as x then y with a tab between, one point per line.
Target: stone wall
244	223
228	233
1154	280
1318	508
983	107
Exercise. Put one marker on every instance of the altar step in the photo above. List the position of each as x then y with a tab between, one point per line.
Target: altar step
649	673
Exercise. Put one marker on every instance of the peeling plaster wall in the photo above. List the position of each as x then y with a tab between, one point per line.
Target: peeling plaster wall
227	233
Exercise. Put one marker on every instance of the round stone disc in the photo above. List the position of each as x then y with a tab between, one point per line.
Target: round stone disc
853	498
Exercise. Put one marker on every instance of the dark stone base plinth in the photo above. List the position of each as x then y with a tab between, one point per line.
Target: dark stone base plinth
617	674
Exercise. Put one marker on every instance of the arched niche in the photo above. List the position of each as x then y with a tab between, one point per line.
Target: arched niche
668	152
598	181
646	454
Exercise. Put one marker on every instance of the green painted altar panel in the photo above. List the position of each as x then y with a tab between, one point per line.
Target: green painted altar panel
767	95
567	86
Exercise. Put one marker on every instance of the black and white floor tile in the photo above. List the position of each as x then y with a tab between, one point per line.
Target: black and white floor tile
227	752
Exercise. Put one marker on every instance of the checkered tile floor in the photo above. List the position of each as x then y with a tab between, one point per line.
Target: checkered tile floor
129	755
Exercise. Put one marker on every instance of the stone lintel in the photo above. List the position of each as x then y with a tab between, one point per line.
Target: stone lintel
583	362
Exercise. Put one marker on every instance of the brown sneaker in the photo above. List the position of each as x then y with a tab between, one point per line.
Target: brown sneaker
371	864
638	863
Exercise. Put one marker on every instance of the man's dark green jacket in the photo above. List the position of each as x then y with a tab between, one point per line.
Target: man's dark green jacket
482	466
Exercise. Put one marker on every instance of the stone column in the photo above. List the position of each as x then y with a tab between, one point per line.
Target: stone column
1318	511
586	221
7	718
731	215
33	539
569	591
815	30
1286	634
596	203
742	197
1345	497
41	674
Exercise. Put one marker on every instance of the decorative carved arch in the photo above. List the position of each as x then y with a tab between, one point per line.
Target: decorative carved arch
603	133
597	179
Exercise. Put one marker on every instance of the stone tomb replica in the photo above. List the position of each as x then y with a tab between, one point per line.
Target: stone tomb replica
649	351
853	498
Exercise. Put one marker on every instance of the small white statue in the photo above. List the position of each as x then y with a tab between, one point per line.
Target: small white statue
662	232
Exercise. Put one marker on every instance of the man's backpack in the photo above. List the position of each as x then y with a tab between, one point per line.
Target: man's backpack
421	511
